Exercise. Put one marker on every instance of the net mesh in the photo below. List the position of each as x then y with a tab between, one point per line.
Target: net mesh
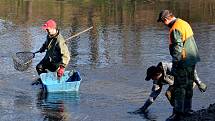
22	60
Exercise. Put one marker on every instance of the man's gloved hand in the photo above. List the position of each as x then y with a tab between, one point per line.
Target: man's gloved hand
202	87
60	71
41	50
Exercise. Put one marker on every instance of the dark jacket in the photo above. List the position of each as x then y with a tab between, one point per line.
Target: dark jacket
56	50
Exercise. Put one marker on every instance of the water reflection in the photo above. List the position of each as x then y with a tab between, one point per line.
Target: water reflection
126	38
57	106
119	26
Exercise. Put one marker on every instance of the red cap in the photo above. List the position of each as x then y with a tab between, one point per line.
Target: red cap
49	24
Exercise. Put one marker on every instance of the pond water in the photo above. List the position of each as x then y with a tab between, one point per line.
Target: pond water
112	58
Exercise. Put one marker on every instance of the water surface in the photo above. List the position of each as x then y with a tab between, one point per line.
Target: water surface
112	58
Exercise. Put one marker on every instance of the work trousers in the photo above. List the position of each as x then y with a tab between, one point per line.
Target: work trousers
45	64
183	89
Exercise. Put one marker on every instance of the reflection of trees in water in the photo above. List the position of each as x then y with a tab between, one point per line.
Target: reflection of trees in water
93	38
63	9
28	11
23	34
21	100
129	17
204	38
52	105
74	42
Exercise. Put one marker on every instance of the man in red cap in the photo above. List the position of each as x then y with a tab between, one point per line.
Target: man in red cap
57	54
184	52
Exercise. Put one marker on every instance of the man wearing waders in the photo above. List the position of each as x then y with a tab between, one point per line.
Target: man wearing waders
161	75
57	54
184	52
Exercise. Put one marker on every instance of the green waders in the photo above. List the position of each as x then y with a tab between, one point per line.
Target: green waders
183	89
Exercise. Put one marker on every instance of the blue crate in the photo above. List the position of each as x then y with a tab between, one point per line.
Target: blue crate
70	81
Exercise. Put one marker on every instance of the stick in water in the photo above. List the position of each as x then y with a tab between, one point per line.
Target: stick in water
79	33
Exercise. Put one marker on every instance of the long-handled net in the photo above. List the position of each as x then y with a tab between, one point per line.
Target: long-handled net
22	60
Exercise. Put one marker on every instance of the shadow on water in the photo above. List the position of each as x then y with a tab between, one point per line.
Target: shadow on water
149	116
54	106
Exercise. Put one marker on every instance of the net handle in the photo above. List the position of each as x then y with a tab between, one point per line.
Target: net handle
36	52
79	33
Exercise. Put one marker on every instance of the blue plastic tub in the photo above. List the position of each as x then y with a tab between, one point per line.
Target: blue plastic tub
70	81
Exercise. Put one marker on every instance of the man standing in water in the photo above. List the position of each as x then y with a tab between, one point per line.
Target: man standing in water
57	54
185	55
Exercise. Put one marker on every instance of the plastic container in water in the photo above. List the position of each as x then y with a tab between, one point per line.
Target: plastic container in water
70	81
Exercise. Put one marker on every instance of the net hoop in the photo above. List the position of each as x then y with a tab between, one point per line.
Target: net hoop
22	60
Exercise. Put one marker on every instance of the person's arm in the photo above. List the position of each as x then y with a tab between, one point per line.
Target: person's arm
202	86
196	78
169	79
44	46
167	67
156	89
65	55
176	46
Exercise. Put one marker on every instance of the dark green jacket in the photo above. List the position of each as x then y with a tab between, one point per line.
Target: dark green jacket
182	46
56	50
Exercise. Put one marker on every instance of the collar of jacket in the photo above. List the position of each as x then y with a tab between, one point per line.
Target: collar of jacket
171	23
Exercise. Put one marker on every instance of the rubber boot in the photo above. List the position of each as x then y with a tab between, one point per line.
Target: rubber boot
143	109
176	116
36	82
